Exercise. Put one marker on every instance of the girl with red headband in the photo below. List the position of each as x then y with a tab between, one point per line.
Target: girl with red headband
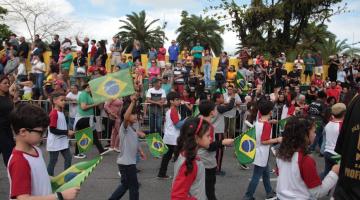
189	171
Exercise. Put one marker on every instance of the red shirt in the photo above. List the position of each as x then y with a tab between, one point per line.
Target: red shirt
317	82
333	92
161	54
93	51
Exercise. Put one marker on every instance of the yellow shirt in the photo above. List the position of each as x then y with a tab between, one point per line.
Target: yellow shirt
231	76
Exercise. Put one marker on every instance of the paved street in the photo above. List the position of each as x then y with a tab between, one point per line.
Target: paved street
103	181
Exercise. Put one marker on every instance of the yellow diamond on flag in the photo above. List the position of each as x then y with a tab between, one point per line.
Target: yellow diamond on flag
158	145
247	146
111	88
84	141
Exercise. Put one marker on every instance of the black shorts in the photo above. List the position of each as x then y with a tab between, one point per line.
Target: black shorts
197	62
310	73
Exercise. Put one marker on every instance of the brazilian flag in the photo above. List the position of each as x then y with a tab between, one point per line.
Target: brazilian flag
156	145
74	176
241	83
84	139
245	147
112	86
282	123
196	111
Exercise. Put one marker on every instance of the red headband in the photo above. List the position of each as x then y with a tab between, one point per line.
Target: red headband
199	126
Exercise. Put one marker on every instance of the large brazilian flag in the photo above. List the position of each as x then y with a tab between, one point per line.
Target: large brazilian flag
245	146
112	86
241	83
156	145
84	139
74	176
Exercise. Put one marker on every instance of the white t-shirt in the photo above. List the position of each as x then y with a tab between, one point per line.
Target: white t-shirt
171	133
72	106
232	112
38	64
341	75
332	130
263	132
155	94
21	69
57	142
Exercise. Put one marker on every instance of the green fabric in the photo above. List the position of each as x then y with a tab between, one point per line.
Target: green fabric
309	64
84	139
67	64
112	86
241	83
197	48
156	145
74	176
85	97
245	146
196	111
282	123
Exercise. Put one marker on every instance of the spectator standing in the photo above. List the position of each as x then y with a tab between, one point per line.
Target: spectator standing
55	48
23	48
161	56
115	49
156	97
174	51
207	68
197	52
309	66
84	45
244	57
93	51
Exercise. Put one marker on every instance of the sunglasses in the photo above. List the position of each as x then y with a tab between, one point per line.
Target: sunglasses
40	132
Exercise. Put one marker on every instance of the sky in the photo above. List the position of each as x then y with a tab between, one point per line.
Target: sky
99	19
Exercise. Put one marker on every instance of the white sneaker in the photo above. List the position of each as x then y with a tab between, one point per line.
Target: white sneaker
80	156
117	150
106	151
119	174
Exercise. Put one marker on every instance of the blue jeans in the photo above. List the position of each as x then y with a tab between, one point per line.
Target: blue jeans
207	74
54	158
257	174
39	81
155	120
71	123
329	163
129	182
319	136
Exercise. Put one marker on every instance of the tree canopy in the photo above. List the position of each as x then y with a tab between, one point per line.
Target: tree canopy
137	27
4	29
276	25
205	30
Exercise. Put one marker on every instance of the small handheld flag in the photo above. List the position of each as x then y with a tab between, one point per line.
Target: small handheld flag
156	145
282	123
112	86
196	111
241	83
84	139
245	146
74	176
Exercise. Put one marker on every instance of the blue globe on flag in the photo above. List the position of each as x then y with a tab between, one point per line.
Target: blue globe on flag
247	145
68	177
111	88
84	141
158	145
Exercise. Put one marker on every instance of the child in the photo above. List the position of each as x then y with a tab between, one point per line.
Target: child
332	130
57	140
129	146
28	86
179	71
189	171
298	178
219	124
26	168
208	155
263	141
219	79
171	131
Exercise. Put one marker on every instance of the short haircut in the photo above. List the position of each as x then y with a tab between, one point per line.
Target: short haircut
56	95
94	41
321	94
27	115
216	95
205	107
340	115
265	106
172	96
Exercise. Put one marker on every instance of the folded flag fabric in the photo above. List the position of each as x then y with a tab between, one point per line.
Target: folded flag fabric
245	146
112	86
241	83
84	139
156	145
282	123
74	176
196	111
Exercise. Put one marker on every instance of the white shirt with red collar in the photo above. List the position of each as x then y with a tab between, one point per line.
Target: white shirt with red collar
263	131
332	131
28	174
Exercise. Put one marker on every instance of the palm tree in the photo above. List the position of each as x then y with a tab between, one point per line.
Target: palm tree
206	30
333	46
137	27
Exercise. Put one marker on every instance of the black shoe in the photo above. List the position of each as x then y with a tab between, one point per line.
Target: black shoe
244	167
271	196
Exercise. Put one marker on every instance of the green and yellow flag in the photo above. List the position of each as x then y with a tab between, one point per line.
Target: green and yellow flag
241	83
282	123
245	146
156	145
112	86
196	111
84	139
74	176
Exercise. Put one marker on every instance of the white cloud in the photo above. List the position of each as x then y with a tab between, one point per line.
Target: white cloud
98	2
167	3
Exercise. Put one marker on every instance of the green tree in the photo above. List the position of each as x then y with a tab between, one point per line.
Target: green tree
276	25
4	29
137	27
205	30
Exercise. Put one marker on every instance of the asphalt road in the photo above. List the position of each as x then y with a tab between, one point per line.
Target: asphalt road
103	181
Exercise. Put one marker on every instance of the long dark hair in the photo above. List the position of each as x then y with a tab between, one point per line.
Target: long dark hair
186	142
294	137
